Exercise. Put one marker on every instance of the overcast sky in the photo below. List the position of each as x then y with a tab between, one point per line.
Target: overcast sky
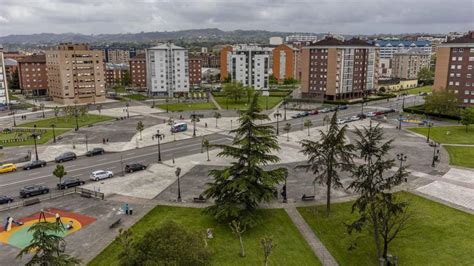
337	16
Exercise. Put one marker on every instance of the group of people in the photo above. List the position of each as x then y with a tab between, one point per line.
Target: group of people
105	141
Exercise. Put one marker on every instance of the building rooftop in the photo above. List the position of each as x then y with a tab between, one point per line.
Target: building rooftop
403	43
139	57
166	46
468	38
36	58
331	41
412	51
10	62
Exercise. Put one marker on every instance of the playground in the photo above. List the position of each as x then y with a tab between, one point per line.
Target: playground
15	232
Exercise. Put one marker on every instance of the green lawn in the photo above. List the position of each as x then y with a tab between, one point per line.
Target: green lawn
48	135
61	122
290	249
225	103
417	90
437	235
461	156
457	134
188	106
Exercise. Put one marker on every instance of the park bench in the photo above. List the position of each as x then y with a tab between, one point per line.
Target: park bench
307	198
199	199
29	202
86	194
116	223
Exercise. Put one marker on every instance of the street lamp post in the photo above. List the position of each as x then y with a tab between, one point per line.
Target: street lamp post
177	173
127	105
14	121
364	98
54	133
167	108
75	115
400	121
34	135
402	158
284	109
159	136
194	119
277	115
430	124
284	192
435	154
42	108
403	102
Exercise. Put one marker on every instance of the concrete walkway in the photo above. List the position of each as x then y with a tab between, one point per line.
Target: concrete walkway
215	102
316	245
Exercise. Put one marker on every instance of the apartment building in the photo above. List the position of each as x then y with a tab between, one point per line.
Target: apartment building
194	72
3	80
301	38
33	75
75	74
138	71
333	69
117	56
167	70
285	62
455	68
247	64
406	65
114	74
208	60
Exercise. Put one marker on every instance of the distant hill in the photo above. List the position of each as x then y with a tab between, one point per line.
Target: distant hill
196	35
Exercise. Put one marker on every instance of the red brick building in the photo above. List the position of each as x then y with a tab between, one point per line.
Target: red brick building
208	60
194	66
114	74
33	75
138	71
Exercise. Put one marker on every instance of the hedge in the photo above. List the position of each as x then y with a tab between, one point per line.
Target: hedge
420	109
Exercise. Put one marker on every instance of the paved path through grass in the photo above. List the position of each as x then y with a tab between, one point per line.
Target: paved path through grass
316	245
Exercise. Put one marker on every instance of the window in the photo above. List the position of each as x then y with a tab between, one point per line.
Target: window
459	67
456	83
468	84
460	58
451	75
468	76
453	66
451	83
466	92
469	67
471	58
458	75
453	58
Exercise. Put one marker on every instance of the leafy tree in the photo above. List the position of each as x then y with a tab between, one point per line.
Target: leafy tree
327	156
290	81
249	91
140	128
234	91
373	182
56	112
240	187
272	80
206	144
14	82
217	115
238	229
126	78
227	79
426	75
467	117
308	124
169	244
99	108
83	110
268	246
287	129
59	172
46	246
125	241
442	102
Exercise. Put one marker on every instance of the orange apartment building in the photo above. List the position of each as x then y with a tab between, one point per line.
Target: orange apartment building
138	71
224	54
285	62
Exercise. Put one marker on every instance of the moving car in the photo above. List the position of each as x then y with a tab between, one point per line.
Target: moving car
67	156
5	199
34	164
101	174
8	167
130	168
298	115
313	112
70	182
33	190
95	151
179	127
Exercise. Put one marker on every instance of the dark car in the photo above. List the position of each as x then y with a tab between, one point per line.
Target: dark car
34	164
134	167
70	182
388	111
95	151
33	190
67	156
5	199
342	107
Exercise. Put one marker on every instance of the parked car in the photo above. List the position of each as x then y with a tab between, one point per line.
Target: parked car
7	168
34	164
324	110
313	112
67	156
33	190
343	107
101	174
388	111
298	115
130	168
423	94
5	199
340	121
354	118
95	151
70	182
333	109
370	114
362	116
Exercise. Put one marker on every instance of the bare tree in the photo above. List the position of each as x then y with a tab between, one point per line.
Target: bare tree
238	229
267	245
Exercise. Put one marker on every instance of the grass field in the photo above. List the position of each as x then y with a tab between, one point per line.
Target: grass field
48	135
188	106
461	156
457	134
61	122
226	103
437	235
417	90
290	249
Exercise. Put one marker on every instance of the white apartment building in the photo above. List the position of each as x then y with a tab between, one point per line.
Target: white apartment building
167	69
250	65
301	38
3	80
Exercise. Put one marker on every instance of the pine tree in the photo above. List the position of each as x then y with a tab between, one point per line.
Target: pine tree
239	188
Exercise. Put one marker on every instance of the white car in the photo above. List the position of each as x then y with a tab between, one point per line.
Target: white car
101	174
354	118
370	114
341	121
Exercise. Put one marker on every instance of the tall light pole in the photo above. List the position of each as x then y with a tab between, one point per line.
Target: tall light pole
402	158
284	192
400	121
127	105
177	173
14	121
42	108
194	119
167	108
363	103
430	124
54	133
75	115
403	102
435	154
284	109
35	135
159	136
277	115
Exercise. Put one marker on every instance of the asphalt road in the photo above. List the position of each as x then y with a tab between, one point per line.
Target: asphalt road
10	183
